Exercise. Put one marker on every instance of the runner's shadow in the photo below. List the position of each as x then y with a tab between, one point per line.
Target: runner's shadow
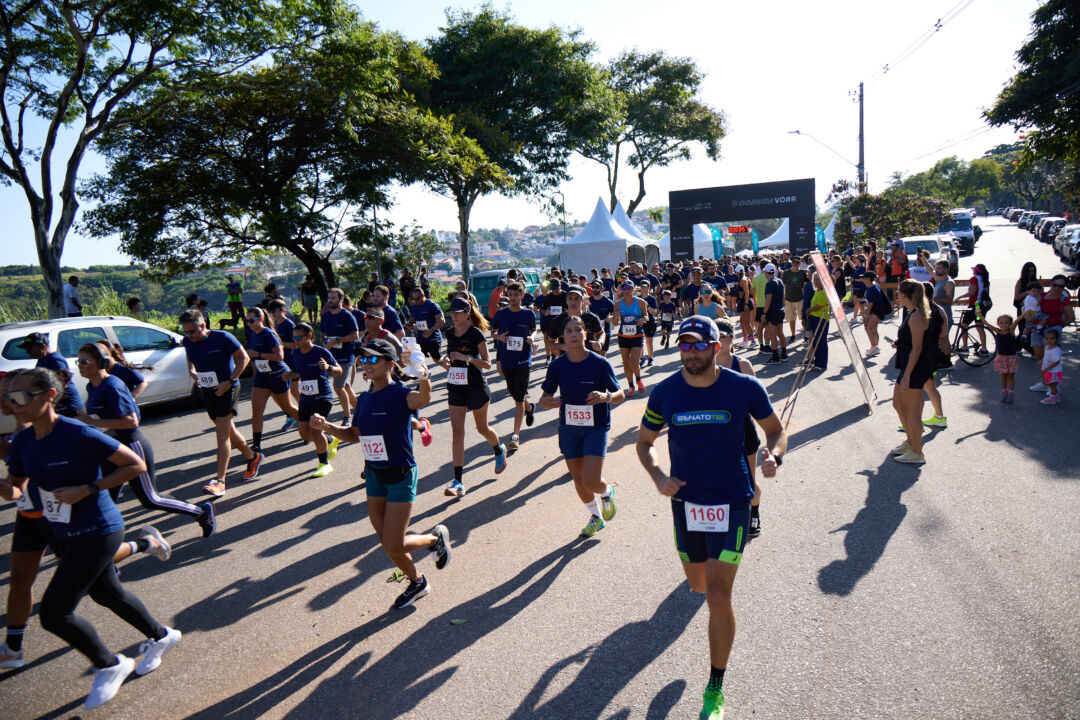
869	533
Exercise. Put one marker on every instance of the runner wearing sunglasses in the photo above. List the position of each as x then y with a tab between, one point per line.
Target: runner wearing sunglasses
267	351
216	360
705	406
513	328
315	368
283	326
632	312
587	388
62	458
382	425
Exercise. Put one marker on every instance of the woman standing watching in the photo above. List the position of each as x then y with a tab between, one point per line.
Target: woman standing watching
818	317
267	352
466	389
63	459
382	424
744	305
315	365
915	354
587	385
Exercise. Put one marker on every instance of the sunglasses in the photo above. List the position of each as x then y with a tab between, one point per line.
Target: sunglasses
699	346
253	320
22	398
369	359
83	362
299	337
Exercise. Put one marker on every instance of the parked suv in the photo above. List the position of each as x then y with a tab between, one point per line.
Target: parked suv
960	226
1048	228
145	346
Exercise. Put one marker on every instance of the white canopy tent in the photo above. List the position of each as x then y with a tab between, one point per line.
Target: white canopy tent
601	243
829	241
648	251
778	239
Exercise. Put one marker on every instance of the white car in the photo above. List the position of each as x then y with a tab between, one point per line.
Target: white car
930	243
145	346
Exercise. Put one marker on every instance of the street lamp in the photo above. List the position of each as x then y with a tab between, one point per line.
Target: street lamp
834	152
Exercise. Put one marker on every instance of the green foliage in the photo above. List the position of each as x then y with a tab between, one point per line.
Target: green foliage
954	180
895	210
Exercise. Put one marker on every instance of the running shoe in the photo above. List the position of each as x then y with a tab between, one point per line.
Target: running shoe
107	682
607	504
322	470
158	546
10	659
290	424
500	459
253	464
791	339
529	410
331	448
346	420
215	487
774	360
208	519
455	488
1012	397
875	350
416	590
900	449
935	421
910	458
713	706
1004	396
1051	400
818	368
441	548
514	444
640	386
783	356
596	524
755	526
425	432
630	391
1038	387
153	650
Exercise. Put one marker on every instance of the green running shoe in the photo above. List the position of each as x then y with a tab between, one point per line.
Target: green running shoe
935	421
607	504
323	470
713	709
595	525
331	448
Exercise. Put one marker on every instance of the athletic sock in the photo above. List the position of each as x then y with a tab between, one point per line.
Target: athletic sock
716	679
139	546
457	472
15	636
322	458
606	493
593	508
256	440
755	511
497	449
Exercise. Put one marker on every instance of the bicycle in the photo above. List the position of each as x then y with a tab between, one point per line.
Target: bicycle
967	345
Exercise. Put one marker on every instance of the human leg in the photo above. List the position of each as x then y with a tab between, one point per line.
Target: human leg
259	396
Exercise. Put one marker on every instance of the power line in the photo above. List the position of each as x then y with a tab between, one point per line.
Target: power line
922	39
966	137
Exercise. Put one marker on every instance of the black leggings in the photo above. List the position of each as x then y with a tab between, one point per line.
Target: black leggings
86	567
145	485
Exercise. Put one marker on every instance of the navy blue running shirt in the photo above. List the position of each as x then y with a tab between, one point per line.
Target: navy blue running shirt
338	325
131	377
214	354
265	342
285	332
307	364
384	418
111	400
706	428
575	380
428	313
519	325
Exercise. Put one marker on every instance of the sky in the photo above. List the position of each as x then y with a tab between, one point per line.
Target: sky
770	67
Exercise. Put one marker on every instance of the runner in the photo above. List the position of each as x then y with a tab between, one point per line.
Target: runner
283	326
313	364
774	315
667	310
705	406
36	345
632	312
588	387
383	298
267	351
551	305
648	328
513	328
916	349
62	458
429	320
339	330
382	425
111	409
602	307
594	329
466	388
216	360
373	330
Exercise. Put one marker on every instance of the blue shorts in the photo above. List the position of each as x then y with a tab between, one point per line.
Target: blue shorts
577	442
697	547
276	384
397	485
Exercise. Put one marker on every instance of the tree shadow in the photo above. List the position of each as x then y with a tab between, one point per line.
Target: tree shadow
869	533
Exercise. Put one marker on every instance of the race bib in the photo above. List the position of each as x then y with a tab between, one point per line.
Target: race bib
207	379
579	415
556	310
421	325
666	317
628	330
55	511
515	343
457	376
706	518
607	294
374	448
262	366
309	387
24	503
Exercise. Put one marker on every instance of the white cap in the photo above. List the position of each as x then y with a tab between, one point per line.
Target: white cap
739	268
770	268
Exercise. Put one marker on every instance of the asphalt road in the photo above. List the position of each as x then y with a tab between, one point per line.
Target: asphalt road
875	589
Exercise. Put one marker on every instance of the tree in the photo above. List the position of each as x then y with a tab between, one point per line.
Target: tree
958	181
528	97
80	65
658	118
406	248
1044	95
895	210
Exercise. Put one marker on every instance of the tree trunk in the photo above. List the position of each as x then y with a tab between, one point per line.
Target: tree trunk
320	268
464	207
50	267
613	178
640	194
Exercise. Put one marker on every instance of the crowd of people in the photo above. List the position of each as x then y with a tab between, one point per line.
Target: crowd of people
68	460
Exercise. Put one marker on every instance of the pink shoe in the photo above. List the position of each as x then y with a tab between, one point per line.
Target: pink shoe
425	433
1051	400
640	386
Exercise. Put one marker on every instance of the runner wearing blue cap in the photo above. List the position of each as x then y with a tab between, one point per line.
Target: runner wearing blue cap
632	312
705	406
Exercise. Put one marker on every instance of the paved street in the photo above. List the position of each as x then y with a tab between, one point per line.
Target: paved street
875	589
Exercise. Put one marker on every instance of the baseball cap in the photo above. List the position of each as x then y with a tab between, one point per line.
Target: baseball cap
382	348
554	283
576	289
770	268
502	281
701	327
34	338
460	305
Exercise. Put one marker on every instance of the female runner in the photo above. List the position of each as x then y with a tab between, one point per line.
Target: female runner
267	352
314	367
631	311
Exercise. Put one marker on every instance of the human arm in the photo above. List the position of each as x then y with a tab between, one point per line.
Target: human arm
646	452
349	434
240	361
775	444
128	467
420	397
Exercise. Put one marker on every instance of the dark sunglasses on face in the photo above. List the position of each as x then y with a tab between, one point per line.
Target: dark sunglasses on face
22	398
299	337
368	359
699	346
253	320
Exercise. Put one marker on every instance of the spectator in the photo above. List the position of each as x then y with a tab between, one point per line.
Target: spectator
496	296
234	296
72	303
309	293
794	278
135	308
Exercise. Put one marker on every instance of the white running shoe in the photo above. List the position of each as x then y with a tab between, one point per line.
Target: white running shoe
153	650
159	546
875	350
107	682
10	659
1039	387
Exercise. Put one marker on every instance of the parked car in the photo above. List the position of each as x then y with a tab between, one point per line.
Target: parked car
145	346
1048	228
1014	214
930	243
960	226
1034	219
1061	236
482	284
1065	243
1025	218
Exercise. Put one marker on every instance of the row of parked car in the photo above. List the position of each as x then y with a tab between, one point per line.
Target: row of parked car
1048	228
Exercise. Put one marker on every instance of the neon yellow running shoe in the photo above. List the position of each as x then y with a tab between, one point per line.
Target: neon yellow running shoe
713	707
935	421
331	448
595	525
323	470
607	504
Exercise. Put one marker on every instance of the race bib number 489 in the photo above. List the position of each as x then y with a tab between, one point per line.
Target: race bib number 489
706	518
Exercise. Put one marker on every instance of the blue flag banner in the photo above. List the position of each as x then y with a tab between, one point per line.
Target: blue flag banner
754	240
717	242
820	239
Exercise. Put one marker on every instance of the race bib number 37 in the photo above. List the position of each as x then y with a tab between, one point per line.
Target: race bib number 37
707	518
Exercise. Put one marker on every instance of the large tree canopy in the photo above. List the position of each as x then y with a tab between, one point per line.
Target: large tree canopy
958	181
658	119
882	215
82	66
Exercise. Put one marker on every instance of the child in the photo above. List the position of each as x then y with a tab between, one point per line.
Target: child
1051	366
1006	360
667	317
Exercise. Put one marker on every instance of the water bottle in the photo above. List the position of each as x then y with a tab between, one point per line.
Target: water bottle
414	359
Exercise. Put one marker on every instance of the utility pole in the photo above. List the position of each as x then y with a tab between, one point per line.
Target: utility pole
378	250
862	155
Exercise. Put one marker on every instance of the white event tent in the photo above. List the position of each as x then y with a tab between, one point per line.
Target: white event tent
601	243
778	239
829	232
